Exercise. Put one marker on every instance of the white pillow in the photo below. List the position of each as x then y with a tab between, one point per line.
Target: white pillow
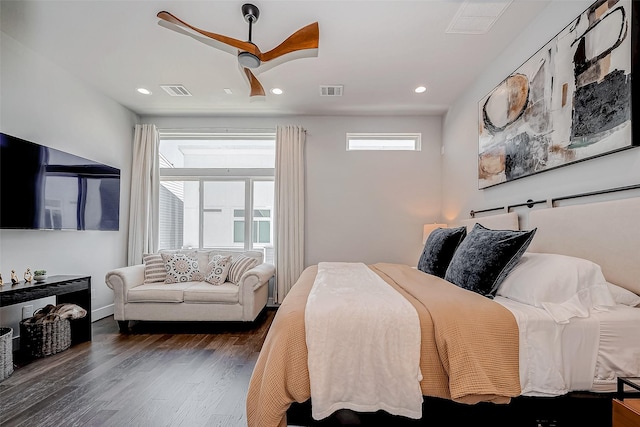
623	296
564	286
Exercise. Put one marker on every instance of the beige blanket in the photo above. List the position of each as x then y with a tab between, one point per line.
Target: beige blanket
469	350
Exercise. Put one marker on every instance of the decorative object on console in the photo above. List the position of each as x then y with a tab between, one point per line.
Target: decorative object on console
303	42
40	275
485	257
28	276
14	278
1	282
571	101
439	249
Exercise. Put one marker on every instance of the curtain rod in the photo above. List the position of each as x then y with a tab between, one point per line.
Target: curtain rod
226	129
217	129
530	203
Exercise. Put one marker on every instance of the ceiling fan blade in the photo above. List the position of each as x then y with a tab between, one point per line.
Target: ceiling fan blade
202	39
239	44
256	86
305	38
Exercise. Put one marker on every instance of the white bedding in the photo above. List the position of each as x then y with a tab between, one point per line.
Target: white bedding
585	354
619	350
358	358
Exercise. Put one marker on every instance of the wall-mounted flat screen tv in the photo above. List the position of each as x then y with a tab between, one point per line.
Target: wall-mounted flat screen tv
47	189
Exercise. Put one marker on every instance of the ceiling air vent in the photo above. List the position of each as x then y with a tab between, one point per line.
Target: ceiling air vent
477	17
176	90
335	90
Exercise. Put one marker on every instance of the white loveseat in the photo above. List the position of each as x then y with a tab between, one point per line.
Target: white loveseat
190	301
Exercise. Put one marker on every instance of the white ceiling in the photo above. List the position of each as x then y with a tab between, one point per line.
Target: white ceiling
379	50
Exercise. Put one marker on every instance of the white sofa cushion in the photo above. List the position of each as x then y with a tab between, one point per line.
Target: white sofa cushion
203	292
158	292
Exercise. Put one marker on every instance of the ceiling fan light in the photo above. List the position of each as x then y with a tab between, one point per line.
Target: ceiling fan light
248	59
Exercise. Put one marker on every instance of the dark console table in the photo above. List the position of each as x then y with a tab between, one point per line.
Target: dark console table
66	289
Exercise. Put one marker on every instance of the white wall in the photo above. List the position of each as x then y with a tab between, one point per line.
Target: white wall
42	103
361	206
460	191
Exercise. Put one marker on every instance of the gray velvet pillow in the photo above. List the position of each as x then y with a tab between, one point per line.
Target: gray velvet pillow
485	257
439	249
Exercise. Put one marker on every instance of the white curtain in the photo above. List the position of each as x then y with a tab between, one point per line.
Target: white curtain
289	208
143	210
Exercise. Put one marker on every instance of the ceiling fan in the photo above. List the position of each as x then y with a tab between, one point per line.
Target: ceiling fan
251	60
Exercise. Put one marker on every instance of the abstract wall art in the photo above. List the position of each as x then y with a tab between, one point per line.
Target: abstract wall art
571	101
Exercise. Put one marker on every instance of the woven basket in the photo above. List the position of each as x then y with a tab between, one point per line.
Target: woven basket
6	353
45	338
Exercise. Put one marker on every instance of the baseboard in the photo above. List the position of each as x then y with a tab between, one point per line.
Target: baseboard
102	312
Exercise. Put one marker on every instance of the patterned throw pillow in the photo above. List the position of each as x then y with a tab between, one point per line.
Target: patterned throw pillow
218	269
240	265
154	271
180	267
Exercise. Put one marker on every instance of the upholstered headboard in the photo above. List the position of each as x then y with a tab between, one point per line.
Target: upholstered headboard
607	233
508	221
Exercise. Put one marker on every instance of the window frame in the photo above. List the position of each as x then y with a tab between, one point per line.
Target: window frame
247	175
416	137
248	200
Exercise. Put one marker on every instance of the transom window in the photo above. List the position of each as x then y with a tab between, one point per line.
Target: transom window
384	141
216	190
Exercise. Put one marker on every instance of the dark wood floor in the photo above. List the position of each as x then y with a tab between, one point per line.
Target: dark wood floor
161	374
197	374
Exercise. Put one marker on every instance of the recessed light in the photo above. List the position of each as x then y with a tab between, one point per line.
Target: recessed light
144	91
420	89
276	91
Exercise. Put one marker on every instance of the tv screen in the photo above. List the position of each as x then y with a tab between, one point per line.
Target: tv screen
45	188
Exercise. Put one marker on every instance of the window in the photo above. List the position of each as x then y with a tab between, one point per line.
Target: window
216	189
261	226
384	141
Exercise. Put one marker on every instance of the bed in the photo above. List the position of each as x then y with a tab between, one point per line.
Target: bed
517	348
